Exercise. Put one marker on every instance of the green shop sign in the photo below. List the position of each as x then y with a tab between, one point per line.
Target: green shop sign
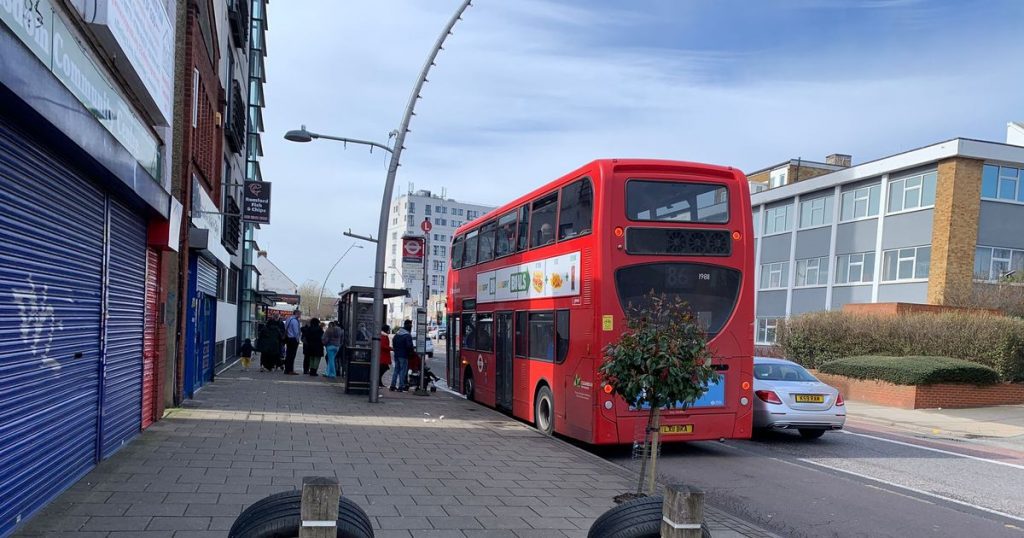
35	23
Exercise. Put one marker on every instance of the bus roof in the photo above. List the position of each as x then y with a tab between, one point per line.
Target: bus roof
608	165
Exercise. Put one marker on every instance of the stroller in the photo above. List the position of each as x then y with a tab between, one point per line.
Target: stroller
414	373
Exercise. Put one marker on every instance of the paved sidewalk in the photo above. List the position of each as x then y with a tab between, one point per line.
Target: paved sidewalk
420	466
1002	421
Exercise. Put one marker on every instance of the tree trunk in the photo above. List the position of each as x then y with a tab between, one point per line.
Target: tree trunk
652	482
647	452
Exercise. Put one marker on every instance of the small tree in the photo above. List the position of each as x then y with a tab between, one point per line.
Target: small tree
661	361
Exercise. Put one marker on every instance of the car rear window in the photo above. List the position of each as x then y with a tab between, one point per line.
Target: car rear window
782	372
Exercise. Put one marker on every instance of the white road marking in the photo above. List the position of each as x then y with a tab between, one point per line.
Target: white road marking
938	450
915	490
911	497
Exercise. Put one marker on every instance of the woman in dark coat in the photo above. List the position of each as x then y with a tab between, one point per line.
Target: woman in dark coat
313	347
269	343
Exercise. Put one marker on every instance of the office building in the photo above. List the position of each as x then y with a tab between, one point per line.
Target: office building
407	215
923	226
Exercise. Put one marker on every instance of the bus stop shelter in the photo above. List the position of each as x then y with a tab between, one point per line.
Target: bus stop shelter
355	313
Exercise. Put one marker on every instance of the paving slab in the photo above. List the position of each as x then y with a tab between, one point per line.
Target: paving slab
432	465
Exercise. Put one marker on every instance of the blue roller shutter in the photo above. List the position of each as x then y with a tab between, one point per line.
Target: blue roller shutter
51	263
126	306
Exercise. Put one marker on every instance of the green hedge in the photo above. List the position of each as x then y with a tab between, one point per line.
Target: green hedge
993	341
914	370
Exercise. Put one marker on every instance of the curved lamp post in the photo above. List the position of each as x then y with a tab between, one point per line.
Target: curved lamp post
326	278
302	135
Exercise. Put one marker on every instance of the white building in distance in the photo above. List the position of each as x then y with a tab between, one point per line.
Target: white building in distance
407	215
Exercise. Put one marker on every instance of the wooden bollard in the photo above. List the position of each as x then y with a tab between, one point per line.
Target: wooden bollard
319	509
682	512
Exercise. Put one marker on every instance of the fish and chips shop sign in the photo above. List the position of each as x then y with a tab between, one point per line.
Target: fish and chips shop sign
256	202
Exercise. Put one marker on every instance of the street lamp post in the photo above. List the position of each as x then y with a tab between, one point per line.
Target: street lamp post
326	278
303	135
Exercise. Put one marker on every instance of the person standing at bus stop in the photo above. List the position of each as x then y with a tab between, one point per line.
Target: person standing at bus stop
385	353
403	346
293	331
332	343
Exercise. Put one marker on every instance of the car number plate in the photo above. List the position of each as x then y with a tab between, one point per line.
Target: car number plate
810	398
677	428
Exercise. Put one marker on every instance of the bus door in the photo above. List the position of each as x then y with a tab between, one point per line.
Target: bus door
503	361
453	346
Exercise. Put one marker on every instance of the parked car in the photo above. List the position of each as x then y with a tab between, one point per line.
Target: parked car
430	347
788	397
432	333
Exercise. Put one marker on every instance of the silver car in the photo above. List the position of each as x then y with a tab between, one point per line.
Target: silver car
788	397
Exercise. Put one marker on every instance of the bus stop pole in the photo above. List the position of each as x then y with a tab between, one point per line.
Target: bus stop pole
385	206
422	337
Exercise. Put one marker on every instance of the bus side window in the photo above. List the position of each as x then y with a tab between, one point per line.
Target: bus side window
542	220
523	230
458	248
506	243
469	257
542	336
486	242
522	342
484	332
576	214
469	331
562	335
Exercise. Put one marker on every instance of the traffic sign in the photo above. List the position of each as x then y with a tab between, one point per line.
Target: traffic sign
426	226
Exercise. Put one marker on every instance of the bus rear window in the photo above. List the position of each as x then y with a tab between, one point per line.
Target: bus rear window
674	201
710	291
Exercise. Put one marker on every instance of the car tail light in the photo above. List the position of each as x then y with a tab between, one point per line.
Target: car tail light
839	399
768	396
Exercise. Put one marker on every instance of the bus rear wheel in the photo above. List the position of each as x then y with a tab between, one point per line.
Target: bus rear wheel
544	411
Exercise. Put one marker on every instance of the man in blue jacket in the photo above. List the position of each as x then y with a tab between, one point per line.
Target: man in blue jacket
403	346
293	331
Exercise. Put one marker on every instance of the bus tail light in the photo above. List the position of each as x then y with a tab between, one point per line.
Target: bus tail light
736	236
768	397
619	231
746	385
608	388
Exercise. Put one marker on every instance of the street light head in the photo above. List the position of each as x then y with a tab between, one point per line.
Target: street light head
299	135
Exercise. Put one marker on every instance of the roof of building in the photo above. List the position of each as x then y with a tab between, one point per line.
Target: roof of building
272	278
795	162
963	147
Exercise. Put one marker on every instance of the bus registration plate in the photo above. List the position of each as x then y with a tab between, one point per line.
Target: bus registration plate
677	428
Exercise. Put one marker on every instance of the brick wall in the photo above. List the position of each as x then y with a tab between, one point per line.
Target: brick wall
944	395
954	229
898	309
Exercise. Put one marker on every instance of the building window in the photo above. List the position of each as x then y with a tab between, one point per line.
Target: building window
195	97
812	272
774	275
905	263
233	275
1002	183
777	178
858	268
912	192
861	203
767	330
996	263
776	220
433	280
816	212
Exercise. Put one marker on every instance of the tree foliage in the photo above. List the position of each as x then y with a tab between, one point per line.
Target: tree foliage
662	357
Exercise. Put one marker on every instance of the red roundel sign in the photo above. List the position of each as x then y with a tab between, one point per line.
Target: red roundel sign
412	250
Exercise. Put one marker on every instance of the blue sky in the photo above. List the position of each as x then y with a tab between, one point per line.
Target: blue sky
527	90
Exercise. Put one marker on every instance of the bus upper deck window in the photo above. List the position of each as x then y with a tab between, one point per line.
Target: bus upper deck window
542	220
577	209
506	240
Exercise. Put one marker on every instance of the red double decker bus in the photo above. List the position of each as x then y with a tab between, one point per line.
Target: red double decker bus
538	287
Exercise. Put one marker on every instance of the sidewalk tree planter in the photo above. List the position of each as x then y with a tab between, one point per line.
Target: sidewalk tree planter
660	361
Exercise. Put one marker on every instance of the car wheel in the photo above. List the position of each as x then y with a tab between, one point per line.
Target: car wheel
807	433
544	411
468	387
279	515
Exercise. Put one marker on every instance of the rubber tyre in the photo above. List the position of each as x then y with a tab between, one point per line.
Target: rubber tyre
811	433
639	518
278	516
544	411
468	386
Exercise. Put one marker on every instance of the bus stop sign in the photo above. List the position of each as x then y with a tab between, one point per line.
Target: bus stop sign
426	226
